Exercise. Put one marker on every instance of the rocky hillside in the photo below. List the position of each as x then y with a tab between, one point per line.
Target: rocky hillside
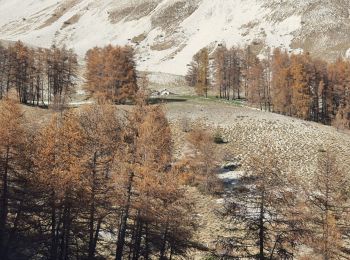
247	131
167	33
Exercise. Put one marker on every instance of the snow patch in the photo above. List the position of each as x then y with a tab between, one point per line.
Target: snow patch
347	54
231	177
237	22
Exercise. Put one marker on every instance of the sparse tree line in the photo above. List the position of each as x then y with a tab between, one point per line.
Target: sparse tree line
92	183
274	215
38	77
296	85
44	77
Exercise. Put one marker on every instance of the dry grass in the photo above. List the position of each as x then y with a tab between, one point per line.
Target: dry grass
247	130
59	12
174	14
116	16
73	20
132	12
164	45
139	38
298	144
142	10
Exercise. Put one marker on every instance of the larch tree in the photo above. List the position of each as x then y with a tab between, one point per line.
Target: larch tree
342	117
21	70
198	72
301	93
111	73
101	130
296	85
136	158
234	73
60	168
126	179
228	72
338	76
202	84
267	80
202	158
257	91
152	205
328	208
263	212
322	92
192	71
247	60
94	71
281	82
154	153
61	71
339	93
39	77
3	65
12	158
220	70
123	73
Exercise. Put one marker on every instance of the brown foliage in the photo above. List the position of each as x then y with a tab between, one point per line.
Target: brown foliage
327	209
111	73
296	85
201	160
40	77
198	72
14	162
228	72
263	210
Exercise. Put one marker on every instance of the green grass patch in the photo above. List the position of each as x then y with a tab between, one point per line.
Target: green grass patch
235	102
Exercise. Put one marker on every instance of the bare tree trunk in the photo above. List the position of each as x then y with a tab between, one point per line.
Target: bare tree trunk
326	226
14	228
274	247
261	229
137	239
65	236
4	205
91	252
147	249
163	247
124	220
53	249
97	232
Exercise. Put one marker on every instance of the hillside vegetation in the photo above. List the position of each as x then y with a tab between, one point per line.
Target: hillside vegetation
107	162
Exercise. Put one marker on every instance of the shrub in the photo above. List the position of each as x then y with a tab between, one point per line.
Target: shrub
218	138
185	124
211	257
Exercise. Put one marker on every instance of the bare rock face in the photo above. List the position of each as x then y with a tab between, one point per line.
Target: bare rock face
325	25
166	33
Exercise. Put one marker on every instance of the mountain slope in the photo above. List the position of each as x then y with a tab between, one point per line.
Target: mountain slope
167	33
